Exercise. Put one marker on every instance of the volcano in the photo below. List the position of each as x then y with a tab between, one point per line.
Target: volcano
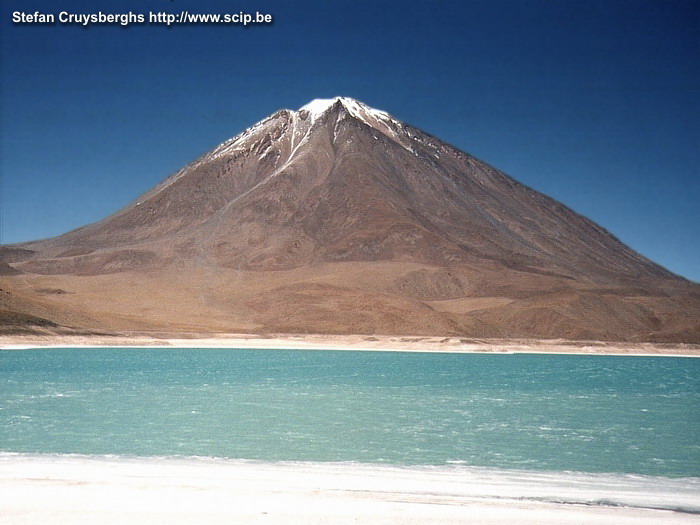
338	218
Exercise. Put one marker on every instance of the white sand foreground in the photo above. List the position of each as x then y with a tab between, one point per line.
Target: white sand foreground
106	490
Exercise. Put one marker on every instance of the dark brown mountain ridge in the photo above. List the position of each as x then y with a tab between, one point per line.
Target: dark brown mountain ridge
338	218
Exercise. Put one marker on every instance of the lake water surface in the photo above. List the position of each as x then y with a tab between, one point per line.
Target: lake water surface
624	415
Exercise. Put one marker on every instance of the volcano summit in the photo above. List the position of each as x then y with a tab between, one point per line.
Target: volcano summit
338	218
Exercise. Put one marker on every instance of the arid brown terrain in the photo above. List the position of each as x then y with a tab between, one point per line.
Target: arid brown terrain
339	219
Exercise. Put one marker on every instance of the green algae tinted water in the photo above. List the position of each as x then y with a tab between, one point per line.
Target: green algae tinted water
538	412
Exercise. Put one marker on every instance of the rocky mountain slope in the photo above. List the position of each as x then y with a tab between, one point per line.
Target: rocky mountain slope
338	218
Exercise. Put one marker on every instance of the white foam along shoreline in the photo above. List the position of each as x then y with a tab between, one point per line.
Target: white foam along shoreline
51	489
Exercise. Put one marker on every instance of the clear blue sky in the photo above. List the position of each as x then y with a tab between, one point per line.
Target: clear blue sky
593	102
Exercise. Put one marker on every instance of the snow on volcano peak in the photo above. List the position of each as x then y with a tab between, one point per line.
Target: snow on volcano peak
319	106
377	119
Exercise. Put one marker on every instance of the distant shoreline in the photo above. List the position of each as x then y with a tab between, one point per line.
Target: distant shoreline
438	344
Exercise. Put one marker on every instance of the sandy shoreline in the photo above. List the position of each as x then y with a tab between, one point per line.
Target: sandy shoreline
82	489
347	342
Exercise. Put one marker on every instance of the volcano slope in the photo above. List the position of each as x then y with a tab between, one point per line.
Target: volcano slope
338	219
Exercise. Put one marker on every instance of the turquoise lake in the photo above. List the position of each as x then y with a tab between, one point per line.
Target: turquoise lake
581	413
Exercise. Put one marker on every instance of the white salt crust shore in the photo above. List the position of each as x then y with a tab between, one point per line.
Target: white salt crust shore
77	490
346	342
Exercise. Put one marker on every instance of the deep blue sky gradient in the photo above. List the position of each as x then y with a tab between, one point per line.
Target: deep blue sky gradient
593	102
